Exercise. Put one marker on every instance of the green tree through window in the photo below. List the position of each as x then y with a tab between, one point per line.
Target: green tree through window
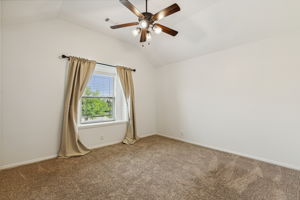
94	106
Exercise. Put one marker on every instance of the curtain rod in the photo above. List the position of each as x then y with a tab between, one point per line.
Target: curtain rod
68	57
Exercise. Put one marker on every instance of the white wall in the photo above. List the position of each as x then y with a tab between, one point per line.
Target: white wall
1	139
244	100
34	81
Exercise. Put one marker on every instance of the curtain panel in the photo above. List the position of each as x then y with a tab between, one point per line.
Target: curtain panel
80	71
125	76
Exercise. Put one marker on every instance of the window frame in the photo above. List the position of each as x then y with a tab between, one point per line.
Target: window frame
103	72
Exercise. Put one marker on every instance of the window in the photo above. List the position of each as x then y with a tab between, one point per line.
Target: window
102	100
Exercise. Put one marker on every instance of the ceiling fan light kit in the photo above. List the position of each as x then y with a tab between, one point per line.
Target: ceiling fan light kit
144	24
136	32
156	29
147	22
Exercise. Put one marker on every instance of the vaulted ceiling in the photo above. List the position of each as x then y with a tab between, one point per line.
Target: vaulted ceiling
204	25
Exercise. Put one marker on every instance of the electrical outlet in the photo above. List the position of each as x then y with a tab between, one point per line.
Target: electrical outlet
101	137
181	132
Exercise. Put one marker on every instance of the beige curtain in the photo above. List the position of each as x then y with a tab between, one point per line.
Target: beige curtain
128	88
80	71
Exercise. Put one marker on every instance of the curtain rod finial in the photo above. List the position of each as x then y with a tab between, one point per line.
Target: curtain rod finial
64	56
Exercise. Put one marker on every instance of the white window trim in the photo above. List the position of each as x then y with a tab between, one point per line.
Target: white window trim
101	124
113	122
114	104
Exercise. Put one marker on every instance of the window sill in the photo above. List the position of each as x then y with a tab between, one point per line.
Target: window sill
101	124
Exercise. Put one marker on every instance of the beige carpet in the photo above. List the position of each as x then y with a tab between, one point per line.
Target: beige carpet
154	168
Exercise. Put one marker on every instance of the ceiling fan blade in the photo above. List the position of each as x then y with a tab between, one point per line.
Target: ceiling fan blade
132	8
143	35
124	25
167	30
166	12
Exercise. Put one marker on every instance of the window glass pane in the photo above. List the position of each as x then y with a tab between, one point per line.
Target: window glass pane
100	86
95	109
98	101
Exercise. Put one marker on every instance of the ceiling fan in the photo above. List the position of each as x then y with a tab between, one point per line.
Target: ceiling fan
148	22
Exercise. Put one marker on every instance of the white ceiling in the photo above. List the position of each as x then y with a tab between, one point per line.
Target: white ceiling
204	25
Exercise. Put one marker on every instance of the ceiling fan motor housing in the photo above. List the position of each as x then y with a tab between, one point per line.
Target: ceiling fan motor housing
147	17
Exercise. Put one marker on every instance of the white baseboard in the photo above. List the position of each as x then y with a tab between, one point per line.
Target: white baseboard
119	141
147	135
16	164
105	144
281	164
35	160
